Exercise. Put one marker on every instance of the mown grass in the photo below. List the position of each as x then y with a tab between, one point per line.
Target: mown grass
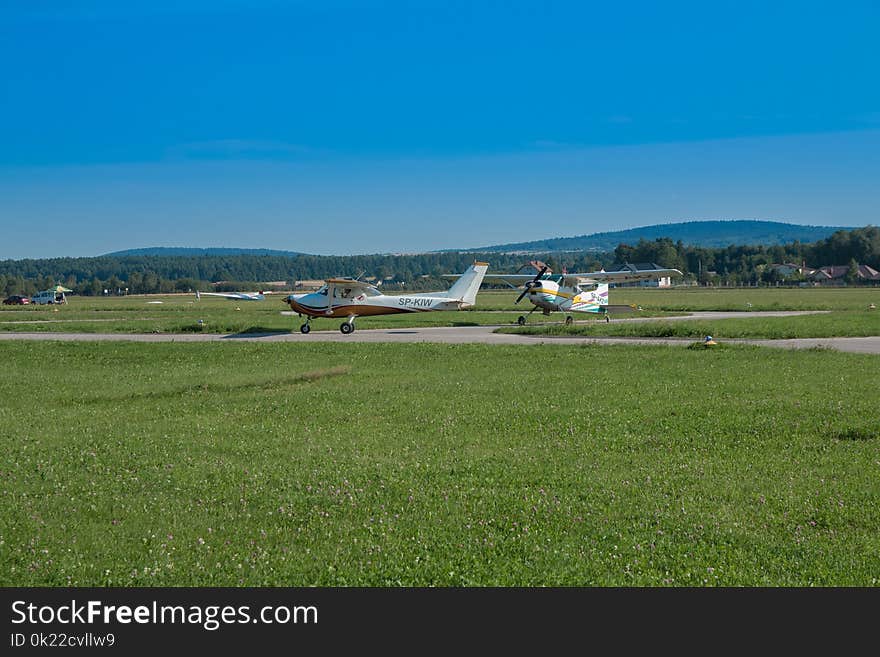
765	298
837	324
679	299
182	314
349	464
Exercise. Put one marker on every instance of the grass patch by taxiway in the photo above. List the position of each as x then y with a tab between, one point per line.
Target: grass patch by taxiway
181	313
131	464
833	324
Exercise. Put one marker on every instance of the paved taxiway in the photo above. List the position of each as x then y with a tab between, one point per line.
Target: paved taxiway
463	334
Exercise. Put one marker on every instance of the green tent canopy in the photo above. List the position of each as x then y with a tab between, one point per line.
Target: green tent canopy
60	288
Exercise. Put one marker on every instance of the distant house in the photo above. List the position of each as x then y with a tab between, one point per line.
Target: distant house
661	281
836	274
790	268
308	284
870	274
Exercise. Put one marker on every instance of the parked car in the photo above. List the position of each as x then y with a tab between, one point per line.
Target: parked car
15	300
48	296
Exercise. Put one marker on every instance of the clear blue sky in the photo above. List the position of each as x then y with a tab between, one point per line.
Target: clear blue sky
362	127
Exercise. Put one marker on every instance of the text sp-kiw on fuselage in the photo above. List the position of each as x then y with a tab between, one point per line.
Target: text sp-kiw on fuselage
567	292
349	298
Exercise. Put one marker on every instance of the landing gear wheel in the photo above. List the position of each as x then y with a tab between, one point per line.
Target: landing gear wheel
521	320
346	328
305	328
569	321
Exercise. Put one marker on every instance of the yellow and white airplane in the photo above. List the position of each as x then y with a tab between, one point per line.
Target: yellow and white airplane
349	298
566	293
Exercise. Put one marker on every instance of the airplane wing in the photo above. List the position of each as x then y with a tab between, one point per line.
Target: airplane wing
511	280
347	288
235	296
360	286
627	275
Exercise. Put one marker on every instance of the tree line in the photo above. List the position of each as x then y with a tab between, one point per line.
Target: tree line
733	265
748	265
165	274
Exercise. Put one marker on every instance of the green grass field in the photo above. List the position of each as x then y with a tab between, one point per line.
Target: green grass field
131	464
181	313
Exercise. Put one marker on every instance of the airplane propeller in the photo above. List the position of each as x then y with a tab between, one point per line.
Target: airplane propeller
531	283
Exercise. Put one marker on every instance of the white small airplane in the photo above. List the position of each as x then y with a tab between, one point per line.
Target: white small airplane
234	296
566	293
349	298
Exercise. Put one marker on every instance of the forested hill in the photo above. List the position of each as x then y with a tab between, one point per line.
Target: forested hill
157	273
707	234
187	252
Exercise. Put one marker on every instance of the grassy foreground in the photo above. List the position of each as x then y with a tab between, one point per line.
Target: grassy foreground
325	464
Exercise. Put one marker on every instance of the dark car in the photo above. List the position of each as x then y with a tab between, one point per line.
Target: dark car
15	300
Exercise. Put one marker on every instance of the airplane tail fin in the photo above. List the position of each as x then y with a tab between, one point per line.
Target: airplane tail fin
594	301
465	288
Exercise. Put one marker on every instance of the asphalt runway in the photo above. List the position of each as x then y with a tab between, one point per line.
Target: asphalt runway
465	334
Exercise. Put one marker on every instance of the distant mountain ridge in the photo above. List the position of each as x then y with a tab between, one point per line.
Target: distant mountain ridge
709	234
188	252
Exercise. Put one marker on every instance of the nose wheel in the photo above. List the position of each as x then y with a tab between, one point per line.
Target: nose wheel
522	319
569	320
305	328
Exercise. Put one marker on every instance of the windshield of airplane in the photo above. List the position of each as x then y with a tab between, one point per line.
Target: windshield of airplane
342	292
353	292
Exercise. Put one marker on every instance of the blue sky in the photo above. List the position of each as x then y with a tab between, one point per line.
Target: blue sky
362	127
